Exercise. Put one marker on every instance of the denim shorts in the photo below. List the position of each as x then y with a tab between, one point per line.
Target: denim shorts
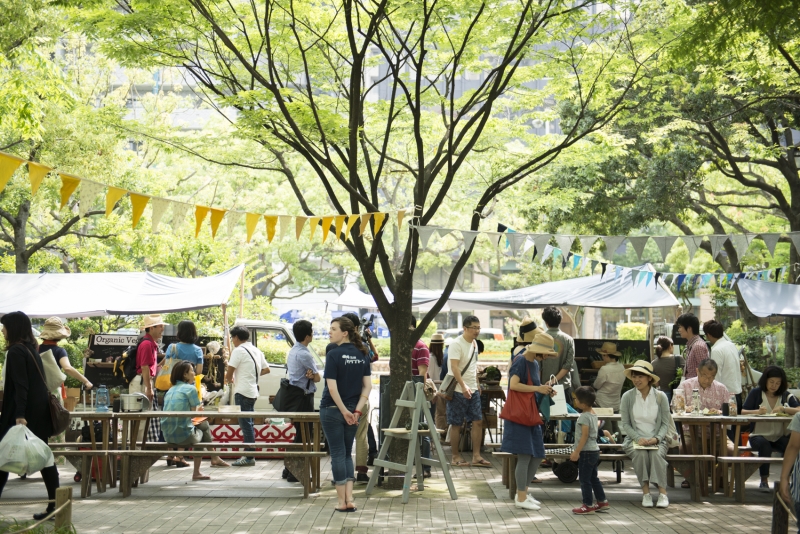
461	409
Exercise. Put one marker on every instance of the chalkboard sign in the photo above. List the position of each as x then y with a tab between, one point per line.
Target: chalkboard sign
103	373
588	347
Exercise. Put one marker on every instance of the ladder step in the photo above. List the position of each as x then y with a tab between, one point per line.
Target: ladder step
390	465
405	403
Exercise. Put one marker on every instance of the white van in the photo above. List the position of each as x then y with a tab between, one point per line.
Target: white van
270	383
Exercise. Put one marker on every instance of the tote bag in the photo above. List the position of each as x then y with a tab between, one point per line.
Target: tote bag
52	372
559	406
521	406
163	382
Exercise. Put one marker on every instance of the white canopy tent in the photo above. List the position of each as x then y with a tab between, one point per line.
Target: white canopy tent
97	294
765	299
598	291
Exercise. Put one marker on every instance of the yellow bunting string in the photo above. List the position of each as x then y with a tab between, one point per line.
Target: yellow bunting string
138	202
400	216
8	165
272	222
216	218
351	221
68	186
326	227
299	222
251	221
364	222
112	197
200	213
36	174
379	218
339	222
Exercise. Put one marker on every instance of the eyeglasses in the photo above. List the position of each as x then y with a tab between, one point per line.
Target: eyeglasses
473	327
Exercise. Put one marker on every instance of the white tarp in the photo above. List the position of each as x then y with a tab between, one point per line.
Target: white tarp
607	291
96	294
764	299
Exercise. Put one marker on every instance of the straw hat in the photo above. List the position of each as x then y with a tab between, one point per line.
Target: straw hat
152	320
610	349
527	330
644	367
54	329
437	338
542	344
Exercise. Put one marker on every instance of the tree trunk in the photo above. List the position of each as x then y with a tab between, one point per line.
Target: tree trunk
750	320
20	234
789	353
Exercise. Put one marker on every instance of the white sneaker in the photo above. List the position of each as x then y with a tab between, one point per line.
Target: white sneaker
526	504
647	501
663	500
534	501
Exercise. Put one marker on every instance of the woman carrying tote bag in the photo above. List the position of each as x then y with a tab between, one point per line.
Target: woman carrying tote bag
527	442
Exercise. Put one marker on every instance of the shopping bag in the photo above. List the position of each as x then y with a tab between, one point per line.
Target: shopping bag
163	381
225	398
559	406
52	372
22	453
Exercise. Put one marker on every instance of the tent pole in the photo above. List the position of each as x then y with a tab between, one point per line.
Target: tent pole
226	334
241	296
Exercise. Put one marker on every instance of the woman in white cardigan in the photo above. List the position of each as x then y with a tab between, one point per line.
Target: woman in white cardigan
645	421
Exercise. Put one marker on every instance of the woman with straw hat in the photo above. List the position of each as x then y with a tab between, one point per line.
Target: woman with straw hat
53	331
527	331
609	381
645	422
527	442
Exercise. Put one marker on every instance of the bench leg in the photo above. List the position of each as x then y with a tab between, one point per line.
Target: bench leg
739	481
125	483
697	489
86	473
670	477
618	467
505	471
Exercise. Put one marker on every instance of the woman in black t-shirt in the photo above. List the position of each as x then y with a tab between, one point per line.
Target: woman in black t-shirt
52	332
347	387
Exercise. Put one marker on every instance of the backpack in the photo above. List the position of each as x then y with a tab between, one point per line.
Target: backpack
125	365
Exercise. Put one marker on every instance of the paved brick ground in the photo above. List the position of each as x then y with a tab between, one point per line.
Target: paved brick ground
257	500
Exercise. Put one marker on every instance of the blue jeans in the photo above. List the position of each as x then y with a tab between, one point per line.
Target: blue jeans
340	438
246	424
587	473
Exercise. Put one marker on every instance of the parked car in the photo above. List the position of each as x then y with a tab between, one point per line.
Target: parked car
495	334
261	332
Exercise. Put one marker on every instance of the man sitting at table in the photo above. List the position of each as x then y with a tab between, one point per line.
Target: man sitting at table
713	395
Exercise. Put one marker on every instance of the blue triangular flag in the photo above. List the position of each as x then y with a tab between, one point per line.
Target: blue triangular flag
576	260
617	272
681	278
649	278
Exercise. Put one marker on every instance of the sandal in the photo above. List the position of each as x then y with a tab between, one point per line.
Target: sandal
221	464
201	477
460	463
685	484
181	463
481	463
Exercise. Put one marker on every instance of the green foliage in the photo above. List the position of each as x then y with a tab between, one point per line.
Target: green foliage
721	299
630	356
632	331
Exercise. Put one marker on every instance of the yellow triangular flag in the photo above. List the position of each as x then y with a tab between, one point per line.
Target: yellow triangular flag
112	197
272	222
400	215
36	173
200	213
379	218
138	202
68	186
364	222
216	218
351	221
299	222
326	227
251	221
314	222
8	165
338	224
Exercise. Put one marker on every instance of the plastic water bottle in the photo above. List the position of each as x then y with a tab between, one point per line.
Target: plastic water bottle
696	410
732	407
102	399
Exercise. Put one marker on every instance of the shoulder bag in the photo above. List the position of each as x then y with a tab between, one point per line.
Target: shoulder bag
59	416
163	382
448	385
52	372
520	407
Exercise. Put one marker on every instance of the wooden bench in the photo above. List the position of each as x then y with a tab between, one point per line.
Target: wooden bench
136	462
690	466
743	467
84	459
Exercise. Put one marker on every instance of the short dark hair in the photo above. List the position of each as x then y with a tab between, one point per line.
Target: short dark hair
302	329
413	322
551	316
586	394
774	371
187	332
354	318
178	370
708	363
479	344
469	319
689	320
713	328
241	333
18	328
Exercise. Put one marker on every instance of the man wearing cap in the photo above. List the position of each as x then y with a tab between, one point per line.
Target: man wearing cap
560	367
610	379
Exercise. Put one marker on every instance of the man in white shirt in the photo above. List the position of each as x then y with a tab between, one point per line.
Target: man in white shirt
465	405
245	365
726	354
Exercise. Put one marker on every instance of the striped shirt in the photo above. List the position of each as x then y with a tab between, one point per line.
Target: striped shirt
419	356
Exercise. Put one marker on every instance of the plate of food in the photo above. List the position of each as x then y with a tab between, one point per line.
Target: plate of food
707	411
767	415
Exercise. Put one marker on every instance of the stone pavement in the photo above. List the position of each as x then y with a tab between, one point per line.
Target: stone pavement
257	500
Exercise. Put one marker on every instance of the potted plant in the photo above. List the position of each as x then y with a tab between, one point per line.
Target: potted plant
629	357
73	386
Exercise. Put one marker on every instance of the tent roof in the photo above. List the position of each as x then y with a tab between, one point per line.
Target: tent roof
764	299
591	291
95	294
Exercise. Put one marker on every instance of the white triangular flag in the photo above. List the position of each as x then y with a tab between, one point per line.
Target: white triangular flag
664	244
638	242
587	241
692	243
795	237
233	218
565	243
179	211
613	242
516	240
740	244
285	222
160	206
469	238
86	196
540	242
425	233
634	276
443	232
717	242
771	240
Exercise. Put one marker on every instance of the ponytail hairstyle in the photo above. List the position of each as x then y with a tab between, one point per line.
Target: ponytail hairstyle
346	325
662	343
